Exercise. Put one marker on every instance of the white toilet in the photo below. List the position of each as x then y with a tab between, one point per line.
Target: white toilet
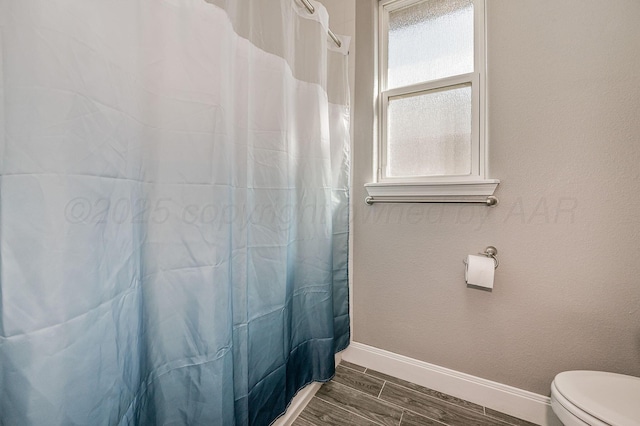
596	398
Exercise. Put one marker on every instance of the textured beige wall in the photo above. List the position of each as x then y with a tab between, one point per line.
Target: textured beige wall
342	20
564	99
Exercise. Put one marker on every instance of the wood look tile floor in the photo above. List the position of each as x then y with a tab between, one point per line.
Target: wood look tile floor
360	396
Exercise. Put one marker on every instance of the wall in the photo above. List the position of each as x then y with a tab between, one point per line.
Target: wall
342	20
564	135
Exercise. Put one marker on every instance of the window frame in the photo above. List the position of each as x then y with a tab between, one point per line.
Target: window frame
475	183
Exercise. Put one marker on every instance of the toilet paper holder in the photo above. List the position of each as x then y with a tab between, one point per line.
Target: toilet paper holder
491	252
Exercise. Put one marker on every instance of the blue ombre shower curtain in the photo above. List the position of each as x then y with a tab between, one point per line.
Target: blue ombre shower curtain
173	210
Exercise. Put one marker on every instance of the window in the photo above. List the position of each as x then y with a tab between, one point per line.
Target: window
431	99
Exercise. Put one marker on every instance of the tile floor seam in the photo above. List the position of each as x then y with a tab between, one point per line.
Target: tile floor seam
344	408
402	409
435	398
500	422
371	396
418	414
380	393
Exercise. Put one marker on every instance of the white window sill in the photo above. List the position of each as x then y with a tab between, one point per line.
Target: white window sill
474	188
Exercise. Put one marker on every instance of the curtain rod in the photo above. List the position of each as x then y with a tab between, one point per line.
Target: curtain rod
312	10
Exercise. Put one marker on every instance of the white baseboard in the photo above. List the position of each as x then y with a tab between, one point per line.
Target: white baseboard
497	396
300	401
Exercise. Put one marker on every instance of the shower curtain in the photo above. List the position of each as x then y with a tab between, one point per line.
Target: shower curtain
173	210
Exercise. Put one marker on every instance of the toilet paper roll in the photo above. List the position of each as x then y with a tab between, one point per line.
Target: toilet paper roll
480	271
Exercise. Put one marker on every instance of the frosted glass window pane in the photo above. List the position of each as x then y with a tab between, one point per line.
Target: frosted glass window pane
429	133
430	40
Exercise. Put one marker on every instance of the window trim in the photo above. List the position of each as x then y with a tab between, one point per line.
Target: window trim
475	183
